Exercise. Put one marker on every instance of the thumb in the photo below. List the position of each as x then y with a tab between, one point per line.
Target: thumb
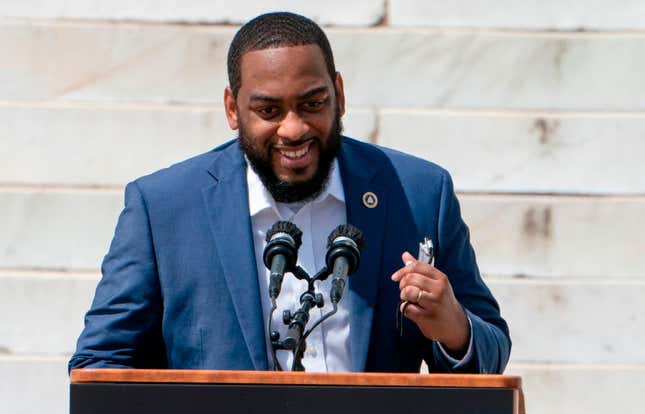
406	257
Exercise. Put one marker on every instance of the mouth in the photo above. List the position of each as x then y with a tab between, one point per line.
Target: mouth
295	153
297	157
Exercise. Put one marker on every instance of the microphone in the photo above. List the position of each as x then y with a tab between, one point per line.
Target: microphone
281	253
343	256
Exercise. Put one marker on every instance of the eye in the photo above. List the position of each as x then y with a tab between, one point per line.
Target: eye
314	105
267	111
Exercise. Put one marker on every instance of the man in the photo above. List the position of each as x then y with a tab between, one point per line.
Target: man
184	285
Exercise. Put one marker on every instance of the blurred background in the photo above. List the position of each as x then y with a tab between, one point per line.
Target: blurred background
536	107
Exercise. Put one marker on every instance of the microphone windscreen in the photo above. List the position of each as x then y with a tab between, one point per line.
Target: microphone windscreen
349	231
288	228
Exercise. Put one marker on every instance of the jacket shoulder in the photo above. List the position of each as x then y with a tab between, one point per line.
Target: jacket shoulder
411	170
186	175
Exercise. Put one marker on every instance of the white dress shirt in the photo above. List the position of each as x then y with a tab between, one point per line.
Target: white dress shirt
328	345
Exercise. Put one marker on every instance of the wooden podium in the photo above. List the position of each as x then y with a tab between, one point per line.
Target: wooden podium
135	391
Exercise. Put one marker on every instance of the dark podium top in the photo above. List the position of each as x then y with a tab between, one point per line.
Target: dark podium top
139	391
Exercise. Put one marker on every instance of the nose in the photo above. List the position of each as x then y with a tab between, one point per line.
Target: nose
292	127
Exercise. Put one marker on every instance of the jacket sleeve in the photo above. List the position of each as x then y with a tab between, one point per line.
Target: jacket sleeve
123	325
456	258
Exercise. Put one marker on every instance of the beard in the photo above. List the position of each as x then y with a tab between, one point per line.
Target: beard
282	191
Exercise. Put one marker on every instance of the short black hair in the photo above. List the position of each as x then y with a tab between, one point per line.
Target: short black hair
273	30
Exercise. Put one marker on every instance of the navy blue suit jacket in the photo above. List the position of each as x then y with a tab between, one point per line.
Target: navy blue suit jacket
180	285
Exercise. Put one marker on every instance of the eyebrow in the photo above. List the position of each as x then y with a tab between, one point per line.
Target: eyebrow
312	92
266	98
306	95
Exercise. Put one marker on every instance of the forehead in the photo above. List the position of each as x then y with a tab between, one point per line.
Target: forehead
281	68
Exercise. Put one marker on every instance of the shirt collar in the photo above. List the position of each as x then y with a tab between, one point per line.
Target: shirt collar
260	199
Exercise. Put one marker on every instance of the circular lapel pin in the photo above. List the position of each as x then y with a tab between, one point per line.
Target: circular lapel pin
370	200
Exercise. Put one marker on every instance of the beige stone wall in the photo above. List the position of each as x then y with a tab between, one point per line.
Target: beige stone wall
537	108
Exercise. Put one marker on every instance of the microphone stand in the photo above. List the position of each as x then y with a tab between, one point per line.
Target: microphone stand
303	343
295	341
274	337
343	252
298	321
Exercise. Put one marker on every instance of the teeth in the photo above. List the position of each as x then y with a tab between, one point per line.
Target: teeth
295	154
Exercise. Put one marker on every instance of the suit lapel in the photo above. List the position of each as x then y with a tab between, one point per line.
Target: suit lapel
359	179
227	204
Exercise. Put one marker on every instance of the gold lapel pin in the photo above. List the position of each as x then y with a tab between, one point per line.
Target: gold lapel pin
370	200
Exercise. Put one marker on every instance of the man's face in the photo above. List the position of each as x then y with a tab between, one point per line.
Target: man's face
288	113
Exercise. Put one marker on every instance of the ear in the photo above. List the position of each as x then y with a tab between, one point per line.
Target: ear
340	93
230	107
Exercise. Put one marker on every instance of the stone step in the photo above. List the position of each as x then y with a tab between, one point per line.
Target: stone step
514	236
522	15
393	68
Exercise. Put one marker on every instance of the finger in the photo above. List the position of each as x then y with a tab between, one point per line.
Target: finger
436	291
410	294
406	306
403	306
418	311
420	297
423	299
408	261
406	257
418	280
413	312
413	265
417	267
424	268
